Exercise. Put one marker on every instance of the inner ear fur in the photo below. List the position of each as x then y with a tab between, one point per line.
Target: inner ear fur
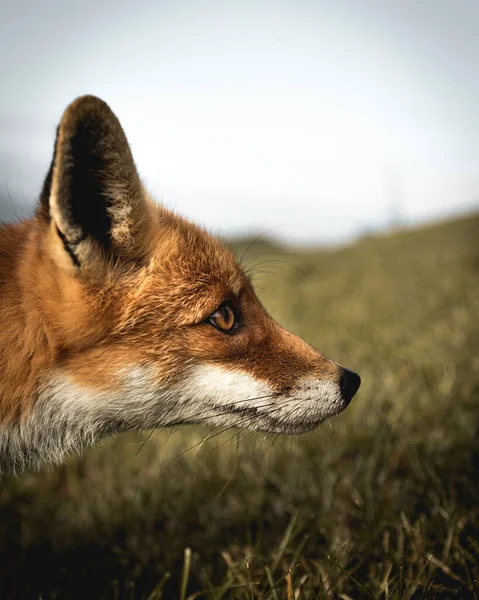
93	192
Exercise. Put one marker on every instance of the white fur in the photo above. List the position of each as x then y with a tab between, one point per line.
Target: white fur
68	417
309	403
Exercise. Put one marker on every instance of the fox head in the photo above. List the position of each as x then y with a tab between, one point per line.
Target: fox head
150	320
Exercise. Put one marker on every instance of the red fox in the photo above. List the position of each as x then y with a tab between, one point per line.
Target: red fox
117	314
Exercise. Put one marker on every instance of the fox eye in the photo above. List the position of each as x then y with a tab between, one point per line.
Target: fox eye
225	318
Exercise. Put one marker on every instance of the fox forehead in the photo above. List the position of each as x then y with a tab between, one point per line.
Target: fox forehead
189	273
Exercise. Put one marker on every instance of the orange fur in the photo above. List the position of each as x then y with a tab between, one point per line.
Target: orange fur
134	287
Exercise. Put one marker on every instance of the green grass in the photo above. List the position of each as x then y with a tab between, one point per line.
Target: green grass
382	502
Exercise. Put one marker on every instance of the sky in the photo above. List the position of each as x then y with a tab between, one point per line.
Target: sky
315	121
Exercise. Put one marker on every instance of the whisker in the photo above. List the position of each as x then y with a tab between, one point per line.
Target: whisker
145	441
278	268
170	433
277	407
246	434
257	240
206	439
275	437
273	261
203	442
235	404
279	272
258	254
205	413
266	261
239	424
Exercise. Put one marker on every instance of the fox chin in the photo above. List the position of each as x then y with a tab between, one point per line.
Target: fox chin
117	314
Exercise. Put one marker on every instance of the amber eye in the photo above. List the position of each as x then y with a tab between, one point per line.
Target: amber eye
225	319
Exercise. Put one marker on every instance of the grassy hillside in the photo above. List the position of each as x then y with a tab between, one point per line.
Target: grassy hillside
382	502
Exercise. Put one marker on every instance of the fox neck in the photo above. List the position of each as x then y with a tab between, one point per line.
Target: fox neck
29	431
66	418
25	348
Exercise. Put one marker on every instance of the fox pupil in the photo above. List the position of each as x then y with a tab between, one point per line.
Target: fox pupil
224	318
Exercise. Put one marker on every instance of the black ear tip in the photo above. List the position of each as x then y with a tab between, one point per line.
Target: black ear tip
88	103
93	114
89	127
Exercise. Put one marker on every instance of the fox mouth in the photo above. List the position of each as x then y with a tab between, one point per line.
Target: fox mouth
259	420
230	398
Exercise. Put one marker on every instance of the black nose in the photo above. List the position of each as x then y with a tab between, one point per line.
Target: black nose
349	384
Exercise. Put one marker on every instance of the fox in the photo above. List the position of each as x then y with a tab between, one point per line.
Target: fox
117	314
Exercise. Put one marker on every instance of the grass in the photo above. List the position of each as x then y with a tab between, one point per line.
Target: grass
382	502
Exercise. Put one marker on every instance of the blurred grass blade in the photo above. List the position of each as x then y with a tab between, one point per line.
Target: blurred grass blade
157	593
186	573
284	542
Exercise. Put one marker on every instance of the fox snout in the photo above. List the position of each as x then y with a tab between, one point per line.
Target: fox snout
263	378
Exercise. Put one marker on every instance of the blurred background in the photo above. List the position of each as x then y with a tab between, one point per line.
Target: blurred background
322	120
346	133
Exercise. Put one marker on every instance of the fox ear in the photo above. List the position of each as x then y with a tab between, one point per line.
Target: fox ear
93	195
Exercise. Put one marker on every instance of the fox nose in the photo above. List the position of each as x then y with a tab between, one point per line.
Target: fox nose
349	384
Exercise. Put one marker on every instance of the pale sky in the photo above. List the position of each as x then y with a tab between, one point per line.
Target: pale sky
318	119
